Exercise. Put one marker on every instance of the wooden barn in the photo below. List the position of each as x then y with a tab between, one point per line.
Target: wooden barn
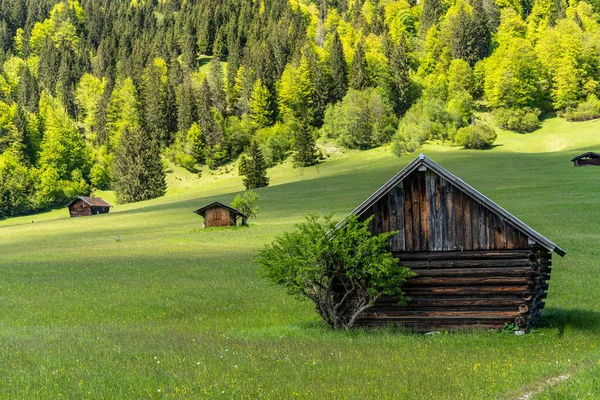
476	264
218	214
589	158
83	206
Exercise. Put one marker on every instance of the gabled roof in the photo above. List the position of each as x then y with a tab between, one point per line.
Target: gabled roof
91	201
589	154
422	161
202	210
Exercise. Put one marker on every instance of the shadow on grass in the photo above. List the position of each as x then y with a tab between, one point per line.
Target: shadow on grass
576	318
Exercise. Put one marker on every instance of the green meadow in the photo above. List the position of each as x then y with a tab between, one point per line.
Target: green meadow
175	311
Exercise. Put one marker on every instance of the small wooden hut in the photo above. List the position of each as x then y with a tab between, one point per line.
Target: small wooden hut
83	206
585	159
476	264
218	214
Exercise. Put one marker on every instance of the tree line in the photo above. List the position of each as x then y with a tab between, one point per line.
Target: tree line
94	94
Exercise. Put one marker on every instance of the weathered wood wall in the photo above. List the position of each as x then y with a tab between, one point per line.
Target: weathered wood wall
80	209
454	289
473	267
588	162
218	216
431	214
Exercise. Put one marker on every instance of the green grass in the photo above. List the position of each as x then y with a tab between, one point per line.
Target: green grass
172	310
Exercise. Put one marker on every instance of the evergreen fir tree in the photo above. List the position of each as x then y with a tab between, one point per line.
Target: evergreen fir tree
432	12
305	151
338	69
400	69
205	115
138	171
321	92
255	168
186	106
217	85
154	101
260	105
359	79
480	33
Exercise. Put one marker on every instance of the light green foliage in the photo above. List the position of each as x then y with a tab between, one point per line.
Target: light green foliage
514	76
16	186
123	111
589	109
294	92
276	142
310	261
88	97
518	119
260	105
431	119
460	77
400	19
63	149
61	27
479	136
362	120
246	203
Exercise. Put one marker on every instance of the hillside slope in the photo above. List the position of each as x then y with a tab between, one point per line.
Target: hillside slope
172	310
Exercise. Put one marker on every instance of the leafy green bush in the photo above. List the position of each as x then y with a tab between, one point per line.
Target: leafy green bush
590	109
361	120
431	119
276	142
246	203
312	263
476	136
518	119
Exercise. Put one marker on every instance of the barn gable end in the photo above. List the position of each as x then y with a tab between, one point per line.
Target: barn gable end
476	264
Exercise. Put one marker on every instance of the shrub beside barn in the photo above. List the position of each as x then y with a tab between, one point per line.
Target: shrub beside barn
475	263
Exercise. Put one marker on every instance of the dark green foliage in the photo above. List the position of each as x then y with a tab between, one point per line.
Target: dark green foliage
138	171
305	150
588	110
359	78
479	136
403	89
432	11
518	119
321	263
338	69
471	38
254	168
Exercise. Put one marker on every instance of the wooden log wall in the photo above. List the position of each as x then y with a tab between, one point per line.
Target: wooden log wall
476	288
80	209
431	214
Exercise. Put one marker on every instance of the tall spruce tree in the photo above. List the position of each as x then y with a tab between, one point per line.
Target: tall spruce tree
255	168
431	14
359	78
338	69
138	171
400	70
305	150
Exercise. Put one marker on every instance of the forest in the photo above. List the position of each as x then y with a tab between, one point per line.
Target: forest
97	94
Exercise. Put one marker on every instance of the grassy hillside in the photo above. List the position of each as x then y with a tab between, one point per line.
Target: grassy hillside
172	310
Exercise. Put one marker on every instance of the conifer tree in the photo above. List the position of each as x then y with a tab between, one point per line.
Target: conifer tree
359	79
432	12
186	105
205	115
400	69
138	170
338	69
154	100
260	105
305	151
216	82
255	168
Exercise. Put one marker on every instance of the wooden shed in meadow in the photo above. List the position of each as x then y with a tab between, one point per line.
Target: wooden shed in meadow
219	214
475	263
83	206
585	159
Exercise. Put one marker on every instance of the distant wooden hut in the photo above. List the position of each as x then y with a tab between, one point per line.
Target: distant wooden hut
219	214
589	158
83	206
476	264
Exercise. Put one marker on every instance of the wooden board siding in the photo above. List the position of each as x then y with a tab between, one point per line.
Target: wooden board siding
80	209
431	214
218	216
588	162
478	288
